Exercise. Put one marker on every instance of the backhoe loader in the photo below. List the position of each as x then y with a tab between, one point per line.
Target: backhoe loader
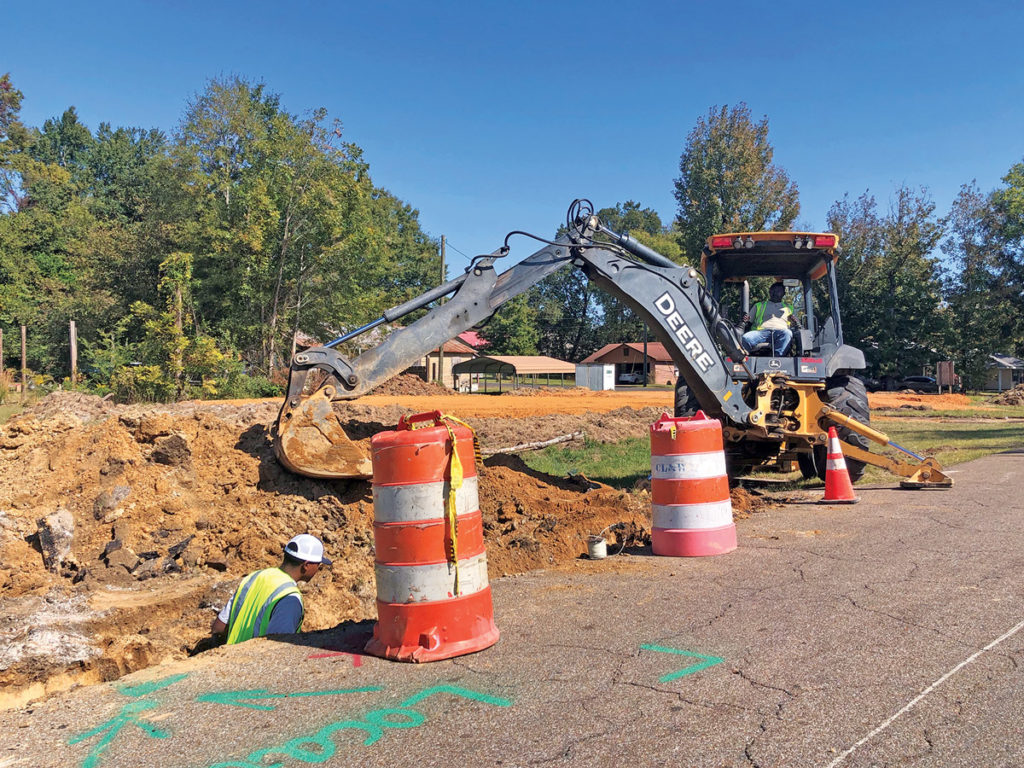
774	409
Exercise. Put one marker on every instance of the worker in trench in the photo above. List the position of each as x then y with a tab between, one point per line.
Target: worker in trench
268	602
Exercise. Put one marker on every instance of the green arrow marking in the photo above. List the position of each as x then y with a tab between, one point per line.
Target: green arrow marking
243	698
144	689
707	661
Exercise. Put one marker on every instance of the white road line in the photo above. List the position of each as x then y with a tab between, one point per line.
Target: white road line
907	707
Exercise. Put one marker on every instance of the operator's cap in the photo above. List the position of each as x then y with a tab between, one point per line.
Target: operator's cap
308	548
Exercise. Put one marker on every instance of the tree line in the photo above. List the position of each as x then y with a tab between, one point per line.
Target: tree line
195	262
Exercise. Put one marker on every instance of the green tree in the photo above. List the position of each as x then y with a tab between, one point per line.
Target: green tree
513	329
727	181
1008	202
288	231
980	300
14	140
889	290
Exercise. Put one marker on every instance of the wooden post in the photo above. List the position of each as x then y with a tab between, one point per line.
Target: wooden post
24	365
74	353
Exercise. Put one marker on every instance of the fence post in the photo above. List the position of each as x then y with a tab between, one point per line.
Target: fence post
74	353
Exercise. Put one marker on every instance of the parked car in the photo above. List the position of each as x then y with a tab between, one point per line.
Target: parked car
919	383
631	378
870	384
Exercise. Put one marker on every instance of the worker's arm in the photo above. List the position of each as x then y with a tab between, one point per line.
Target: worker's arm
220	621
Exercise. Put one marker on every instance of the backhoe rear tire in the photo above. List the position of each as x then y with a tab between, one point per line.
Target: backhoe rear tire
686	404
847	395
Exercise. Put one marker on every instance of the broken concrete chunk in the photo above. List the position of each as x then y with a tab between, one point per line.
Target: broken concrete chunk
175	551
151	568
173	450
109	500
56	532
112	546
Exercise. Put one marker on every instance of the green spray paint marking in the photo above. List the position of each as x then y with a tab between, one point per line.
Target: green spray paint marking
708	661
456	691
144	689
113	726
319	747
127	716
241	698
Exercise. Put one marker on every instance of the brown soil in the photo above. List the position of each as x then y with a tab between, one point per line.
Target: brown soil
409	384
172	504
904	399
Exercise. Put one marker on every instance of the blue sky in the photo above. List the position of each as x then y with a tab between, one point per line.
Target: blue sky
489	117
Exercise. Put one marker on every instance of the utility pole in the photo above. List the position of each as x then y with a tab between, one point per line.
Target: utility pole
440	349
645	354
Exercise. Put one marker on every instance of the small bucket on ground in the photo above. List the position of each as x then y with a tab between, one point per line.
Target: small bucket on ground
597	547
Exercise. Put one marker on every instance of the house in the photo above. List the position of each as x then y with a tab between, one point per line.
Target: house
1004	372
429	365
628	359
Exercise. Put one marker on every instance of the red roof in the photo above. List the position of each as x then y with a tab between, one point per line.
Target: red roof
454	347
473	338
656	351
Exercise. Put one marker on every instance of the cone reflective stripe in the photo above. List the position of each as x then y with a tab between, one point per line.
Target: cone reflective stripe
433	597
838	488
691	507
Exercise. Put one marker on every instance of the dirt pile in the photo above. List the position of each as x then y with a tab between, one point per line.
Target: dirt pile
409	384
1013	396
123	528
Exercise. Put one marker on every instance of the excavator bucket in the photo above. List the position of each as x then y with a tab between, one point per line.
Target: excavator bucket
309	440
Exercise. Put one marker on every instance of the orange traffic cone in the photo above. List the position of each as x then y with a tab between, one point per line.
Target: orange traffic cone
838	488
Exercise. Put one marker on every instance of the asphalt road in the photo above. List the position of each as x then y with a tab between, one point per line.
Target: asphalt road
887	633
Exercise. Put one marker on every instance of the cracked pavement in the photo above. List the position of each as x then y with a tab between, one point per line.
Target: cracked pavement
828	621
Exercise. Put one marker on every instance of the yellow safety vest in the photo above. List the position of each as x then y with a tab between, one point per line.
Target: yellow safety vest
254	601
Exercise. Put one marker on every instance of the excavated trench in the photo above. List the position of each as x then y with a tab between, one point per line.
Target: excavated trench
123	528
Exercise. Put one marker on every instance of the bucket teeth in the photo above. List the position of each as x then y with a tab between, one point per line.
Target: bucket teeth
309	440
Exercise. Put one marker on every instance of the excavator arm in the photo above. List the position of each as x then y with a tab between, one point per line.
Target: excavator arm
670	298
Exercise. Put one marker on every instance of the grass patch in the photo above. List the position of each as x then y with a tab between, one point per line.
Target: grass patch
619	464
6	411
949	442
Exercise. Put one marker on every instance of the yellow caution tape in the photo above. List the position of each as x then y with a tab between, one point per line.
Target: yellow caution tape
455	471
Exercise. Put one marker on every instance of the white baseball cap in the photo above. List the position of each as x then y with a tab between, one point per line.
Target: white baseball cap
308	548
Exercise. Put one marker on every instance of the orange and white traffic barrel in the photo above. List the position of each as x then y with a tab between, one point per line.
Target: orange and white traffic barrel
433	597
692	510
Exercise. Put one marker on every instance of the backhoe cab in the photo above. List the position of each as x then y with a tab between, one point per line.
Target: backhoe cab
797	395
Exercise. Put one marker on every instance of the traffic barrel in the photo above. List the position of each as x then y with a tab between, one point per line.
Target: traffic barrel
691	506
433	597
